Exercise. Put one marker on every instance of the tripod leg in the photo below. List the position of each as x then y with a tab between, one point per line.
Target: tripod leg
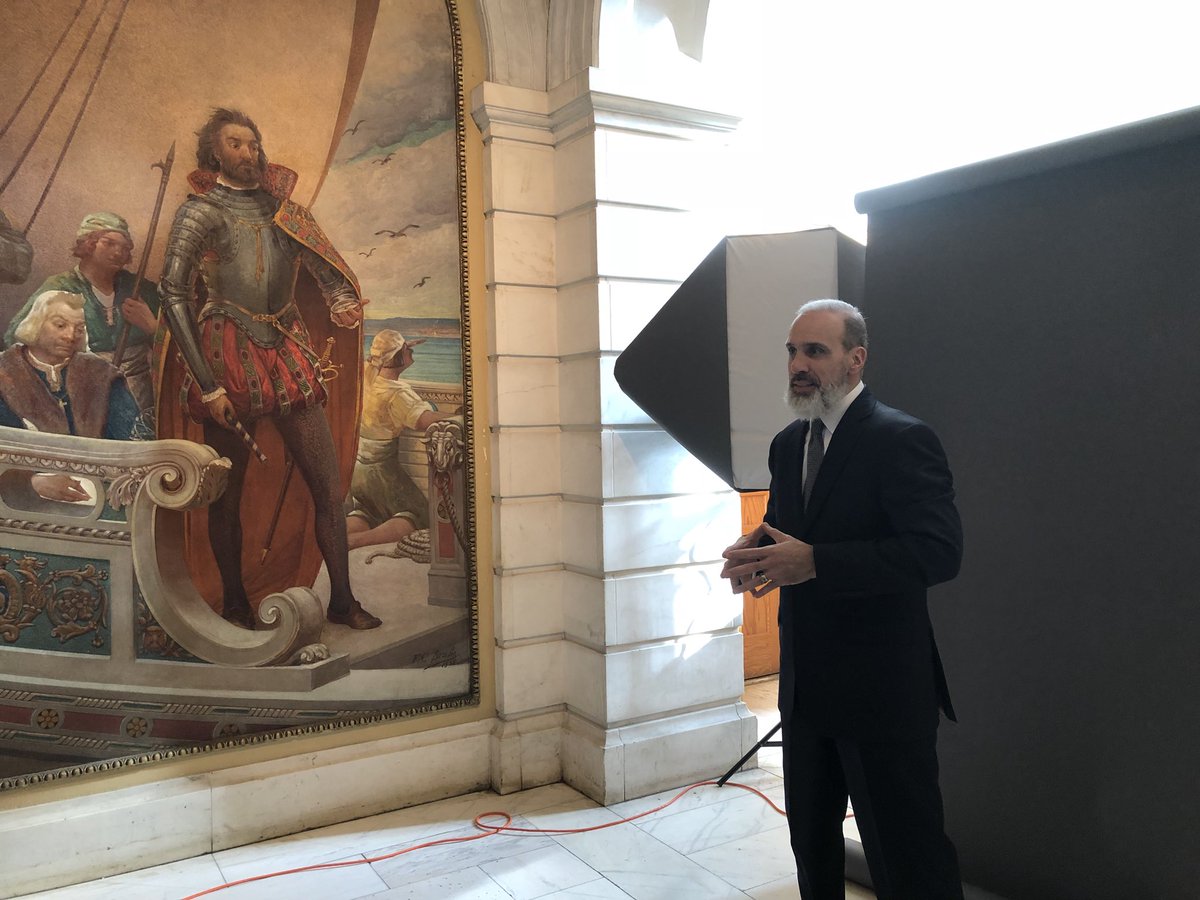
766	741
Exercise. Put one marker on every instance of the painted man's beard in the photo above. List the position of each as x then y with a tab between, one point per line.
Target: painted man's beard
241	173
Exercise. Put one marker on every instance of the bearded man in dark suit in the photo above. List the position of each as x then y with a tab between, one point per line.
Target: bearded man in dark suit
860	682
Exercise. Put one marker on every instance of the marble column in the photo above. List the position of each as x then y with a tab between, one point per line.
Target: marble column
619	661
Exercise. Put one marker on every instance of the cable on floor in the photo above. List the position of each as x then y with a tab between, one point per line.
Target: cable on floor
485	830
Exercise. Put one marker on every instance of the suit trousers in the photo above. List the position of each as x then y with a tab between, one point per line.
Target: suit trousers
893	786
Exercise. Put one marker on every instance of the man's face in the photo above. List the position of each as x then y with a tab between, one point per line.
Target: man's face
237	153
62	335
113	251
820	370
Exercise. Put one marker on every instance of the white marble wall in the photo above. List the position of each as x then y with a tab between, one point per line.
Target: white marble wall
608	532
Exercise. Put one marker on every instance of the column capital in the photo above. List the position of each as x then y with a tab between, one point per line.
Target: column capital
587	101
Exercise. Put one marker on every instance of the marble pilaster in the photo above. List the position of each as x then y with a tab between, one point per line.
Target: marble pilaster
648	664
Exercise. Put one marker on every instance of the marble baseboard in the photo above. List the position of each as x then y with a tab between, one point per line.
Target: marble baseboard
526	752
617	764
83	838
66	841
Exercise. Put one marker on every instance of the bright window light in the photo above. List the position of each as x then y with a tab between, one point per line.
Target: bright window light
844	97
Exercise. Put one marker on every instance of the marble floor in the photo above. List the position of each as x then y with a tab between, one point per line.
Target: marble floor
712	843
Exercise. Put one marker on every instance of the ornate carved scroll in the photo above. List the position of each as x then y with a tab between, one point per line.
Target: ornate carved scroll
449	546
156	482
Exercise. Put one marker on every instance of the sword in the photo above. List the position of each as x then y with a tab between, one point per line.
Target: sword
165	166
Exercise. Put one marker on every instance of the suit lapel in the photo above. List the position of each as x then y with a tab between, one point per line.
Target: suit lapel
841	445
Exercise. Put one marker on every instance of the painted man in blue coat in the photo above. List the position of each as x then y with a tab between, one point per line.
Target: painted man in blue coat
48	382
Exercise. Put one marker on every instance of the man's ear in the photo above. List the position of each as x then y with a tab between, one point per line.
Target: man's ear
858	358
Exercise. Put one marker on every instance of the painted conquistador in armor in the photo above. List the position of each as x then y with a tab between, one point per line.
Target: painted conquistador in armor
238	243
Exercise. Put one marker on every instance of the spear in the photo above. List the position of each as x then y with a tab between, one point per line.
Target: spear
287	479
165	166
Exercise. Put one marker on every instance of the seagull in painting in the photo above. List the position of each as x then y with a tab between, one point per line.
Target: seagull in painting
421	283
387	159
396	234
368	254
354	130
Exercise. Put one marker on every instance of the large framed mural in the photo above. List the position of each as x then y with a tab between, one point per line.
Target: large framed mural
236	465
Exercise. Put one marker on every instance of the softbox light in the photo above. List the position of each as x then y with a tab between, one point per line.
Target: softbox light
710	367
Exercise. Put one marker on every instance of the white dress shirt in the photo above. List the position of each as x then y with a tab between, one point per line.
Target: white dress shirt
831	420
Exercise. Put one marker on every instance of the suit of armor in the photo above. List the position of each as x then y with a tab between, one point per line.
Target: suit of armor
249	343
248	337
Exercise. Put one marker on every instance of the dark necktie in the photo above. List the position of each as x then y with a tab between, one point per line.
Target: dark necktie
816	453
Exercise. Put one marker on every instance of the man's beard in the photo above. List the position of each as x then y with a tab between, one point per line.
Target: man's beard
821	401
241	174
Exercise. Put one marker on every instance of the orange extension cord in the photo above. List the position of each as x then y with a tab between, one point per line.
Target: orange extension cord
485	831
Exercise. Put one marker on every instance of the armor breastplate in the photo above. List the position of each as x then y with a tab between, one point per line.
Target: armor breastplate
228	240
253	264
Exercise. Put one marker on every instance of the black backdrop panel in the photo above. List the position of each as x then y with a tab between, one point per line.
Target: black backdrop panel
677	368
1047	326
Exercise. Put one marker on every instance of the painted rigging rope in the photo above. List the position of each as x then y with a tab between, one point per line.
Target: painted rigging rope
38	78
112	35
57	96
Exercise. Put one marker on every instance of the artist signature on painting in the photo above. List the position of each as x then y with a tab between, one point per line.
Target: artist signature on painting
435	659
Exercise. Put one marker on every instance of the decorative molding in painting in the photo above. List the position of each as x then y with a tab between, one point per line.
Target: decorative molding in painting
75	601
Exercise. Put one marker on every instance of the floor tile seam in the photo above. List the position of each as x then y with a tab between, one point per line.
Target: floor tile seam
770	881
295	842
326	855
642	836
469	862
498	802
268	868
388	887
616	887
593	808
557	802
558	892
464	823
307	875
599	876
675	876
662	796
633	829
451	847
391	852
663	815
748	835
745	837
702	844
482	871
742	890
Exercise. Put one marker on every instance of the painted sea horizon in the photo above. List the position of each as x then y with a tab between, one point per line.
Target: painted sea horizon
438	359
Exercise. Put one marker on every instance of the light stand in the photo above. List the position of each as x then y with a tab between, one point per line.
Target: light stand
765	742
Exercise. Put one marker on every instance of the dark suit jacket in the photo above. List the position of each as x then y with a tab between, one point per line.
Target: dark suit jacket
857	654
